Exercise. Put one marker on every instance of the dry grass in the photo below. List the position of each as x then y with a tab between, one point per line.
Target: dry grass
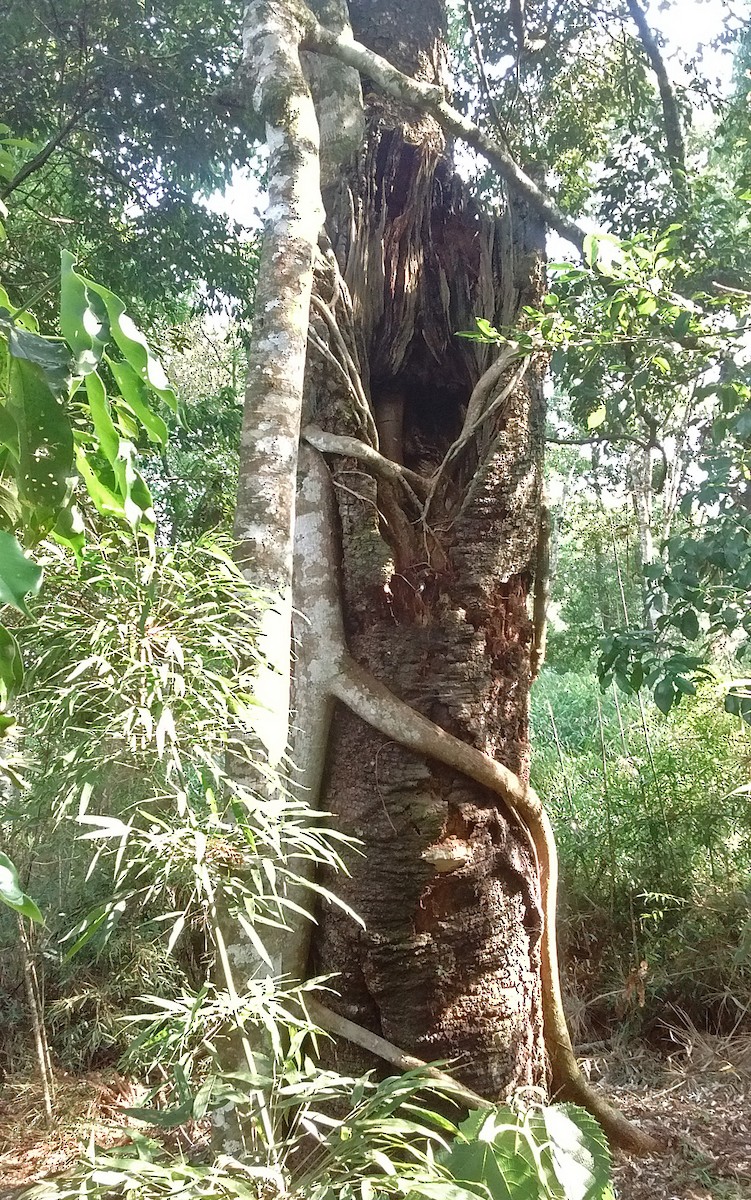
700	1100
86	1106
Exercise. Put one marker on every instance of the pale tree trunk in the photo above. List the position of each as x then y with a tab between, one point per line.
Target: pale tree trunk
415	544
264	520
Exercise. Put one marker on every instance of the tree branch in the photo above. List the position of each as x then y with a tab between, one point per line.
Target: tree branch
476	403
671	120
479	59
349	447
430	98
38	161
599	441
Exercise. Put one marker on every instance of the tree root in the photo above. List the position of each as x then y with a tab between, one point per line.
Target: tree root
327	1019
630	1138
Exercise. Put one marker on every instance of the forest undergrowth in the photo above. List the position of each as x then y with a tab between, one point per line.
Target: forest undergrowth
651	817
653	826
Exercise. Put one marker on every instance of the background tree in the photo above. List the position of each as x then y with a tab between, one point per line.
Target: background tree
111	130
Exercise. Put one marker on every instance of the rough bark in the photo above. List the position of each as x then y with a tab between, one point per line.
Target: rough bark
448	965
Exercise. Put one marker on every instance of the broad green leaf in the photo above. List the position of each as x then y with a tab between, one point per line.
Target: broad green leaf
591	250
9	434
133	345
738	700
105	500
70	530
579	1152
133	391
109	441
690	624
164	1118
484	1164
45	438
486	329
126	421
13	895
137	503
597	418
685	686
664	695
471	1126
440	1189
11	666
51	357
83	318
19	576
18	317
558	1153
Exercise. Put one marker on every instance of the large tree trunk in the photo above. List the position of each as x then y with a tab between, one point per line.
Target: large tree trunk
426	639
448	964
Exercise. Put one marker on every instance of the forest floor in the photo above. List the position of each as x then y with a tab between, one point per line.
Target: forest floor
699	1100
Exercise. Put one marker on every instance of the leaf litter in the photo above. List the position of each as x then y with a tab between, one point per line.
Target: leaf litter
698	1099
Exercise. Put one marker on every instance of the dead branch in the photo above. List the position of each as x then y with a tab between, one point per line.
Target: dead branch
353	374
671	120
487	383
469	431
